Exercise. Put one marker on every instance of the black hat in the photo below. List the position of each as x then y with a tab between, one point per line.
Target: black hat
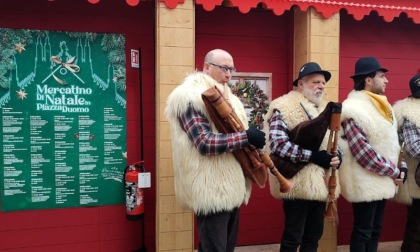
415	86
311	68
367	65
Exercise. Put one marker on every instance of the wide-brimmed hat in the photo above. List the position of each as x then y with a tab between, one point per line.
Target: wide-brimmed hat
415	86
311	68
367	65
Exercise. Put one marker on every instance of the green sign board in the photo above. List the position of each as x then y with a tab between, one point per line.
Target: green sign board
63	108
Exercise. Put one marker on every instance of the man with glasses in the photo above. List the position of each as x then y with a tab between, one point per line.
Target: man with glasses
208	178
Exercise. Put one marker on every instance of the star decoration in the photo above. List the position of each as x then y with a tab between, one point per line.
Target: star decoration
21	94
19	47
124	154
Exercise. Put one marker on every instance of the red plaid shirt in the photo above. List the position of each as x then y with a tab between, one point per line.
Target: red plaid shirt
280	144
207	142
364	154
410	133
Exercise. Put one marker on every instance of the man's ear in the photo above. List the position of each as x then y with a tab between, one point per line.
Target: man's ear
300	85
206	67
368	82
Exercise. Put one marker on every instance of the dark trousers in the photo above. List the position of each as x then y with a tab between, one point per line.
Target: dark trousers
303	225
367	226
411	242
218	232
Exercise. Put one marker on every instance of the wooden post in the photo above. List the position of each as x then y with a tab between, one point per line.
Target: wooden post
175	54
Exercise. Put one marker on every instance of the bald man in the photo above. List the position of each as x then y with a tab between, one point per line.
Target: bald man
208	178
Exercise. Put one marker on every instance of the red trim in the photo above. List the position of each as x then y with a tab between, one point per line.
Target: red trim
171	4
132	2
388	9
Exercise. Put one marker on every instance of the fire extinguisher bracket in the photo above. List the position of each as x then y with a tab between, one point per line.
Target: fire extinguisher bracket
144	180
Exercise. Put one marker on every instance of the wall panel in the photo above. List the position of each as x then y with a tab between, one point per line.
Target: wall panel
93	228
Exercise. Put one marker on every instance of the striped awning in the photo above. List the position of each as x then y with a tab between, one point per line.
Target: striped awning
388	9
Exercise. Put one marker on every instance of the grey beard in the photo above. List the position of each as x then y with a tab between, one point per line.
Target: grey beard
312	97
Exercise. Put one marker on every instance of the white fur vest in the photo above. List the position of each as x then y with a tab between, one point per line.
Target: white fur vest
205	184
408	109
357	183
310	182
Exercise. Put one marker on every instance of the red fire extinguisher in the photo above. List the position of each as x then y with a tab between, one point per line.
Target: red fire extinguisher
134	200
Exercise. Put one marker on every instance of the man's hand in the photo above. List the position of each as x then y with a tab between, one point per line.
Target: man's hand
256	137
335	162
323	159
403	174
398	181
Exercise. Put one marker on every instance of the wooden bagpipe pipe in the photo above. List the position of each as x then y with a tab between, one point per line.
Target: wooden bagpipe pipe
254	162
332	148
309	135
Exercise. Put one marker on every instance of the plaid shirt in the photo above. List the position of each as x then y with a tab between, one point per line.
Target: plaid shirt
198	130
410	133
364	154
280	144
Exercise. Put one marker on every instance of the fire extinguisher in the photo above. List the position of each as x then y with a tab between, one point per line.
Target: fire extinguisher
134	200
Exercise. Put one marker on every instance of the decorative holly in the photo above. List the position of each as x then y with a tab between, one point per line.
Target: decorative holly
253	98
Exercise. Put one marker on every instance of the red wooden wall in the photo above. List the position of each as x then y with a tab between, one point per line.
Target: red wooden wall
91	228
397	46
260	42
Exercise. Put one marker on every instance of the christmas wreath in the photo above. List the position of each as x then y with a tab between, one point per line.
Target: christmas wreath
253	99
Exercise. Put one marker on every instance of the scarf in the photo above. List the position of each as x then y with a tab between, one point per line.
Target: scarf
381	103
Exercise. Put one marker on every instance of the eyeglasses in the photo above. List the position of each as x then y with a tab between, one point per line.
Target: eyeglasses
224	68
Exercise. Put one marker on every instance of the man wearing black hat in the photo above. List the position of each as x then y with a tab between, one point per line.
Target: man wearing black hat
370	145
305	204
407	112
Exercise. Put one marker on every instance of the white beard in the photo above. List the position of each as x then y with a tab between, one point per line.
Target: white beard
313	96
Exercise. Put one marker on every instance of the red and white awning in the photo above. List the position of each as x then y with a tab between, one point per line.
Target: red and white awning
388	9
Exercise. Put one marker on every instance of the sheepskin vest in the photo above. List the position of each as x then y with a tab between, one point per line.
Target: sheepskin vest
310	182
205	184
357	183
408	109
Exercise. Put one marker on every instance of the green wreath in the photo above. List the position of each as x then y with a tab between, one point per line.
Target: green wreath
253	98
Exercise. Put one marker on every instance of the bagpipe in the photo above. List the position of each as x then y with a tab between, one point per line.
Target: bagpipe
254	162
332	148
309	135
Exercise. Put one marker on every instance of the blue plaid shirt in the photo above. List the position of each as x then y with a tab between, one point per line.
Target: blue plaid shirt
207	142
364	154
